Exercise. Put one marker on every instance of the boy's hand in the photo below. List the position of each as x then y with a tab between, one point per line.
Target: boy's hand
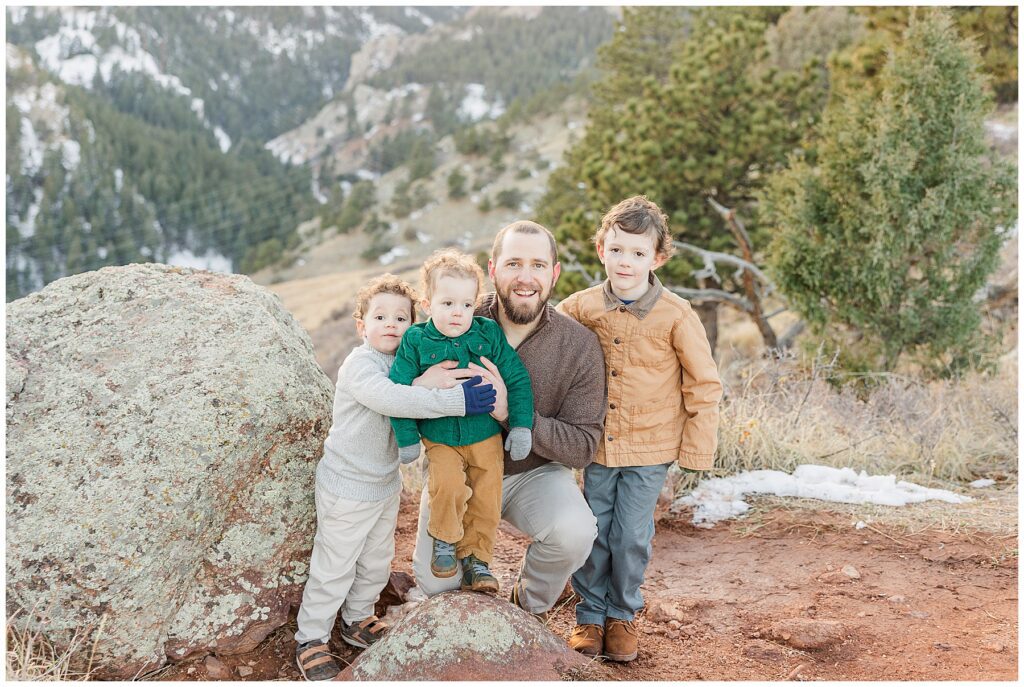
519	442
491	375
443	375
479	396
408	454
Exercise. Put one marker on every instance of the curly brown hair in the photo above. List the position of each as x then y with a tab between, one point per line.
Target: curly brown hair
450	262
385	283
637	215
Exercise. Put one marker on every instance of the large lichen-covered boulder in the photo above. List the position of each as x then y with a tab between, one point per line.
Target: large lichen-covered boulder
467	636
163	429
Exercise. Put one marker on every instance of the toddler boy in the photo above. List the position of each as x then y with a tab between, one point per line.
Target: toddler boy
464	455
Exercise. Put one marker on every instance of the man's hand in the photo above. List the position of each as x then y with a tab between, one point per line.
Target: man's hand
518	442
443	375
408	454
491	375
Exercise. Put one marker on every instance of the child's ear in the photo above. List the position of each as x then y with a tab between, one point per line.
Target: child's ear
659	260
425	306
360	328
600	250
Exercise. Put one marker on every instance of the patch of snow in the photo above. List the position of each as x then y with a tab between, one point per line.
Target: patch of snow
414	13
223	140
212	84
27	228
376	30
215	262
1001	131
475	107
15	57
198	106
423	237
721	498
118	179
102	252
18	14
367	175
31	148
71	154
572	125
393	254
981	483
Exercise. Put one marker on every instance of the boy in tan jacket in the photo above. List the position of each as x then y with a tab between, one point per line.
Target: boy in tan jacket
663	396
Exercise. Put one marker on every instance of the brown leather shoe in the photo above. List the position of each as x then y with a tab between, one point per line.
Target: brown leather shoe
620	639
514	598
587	639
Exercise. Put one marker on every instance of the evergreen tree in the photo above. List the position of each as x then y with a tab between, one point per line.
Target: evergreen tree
716	126
884	245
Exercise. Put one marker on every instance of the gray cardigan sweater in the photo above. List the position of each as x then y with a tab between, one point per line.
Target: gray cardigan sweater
360	460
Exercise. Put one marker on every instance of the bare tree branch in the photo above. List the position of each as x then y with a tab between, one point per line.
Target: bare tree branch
711	257
716	295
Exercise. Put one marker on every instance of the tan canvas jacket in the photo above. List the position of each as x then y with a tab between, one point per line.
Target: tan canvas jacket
663	384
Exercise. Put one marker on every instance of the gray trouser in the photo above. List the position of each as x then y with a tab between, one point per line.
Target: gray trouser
545	504
623	501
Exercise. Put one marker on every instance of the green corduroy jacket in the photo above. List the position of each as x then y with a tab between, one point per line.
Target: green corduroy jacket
423	346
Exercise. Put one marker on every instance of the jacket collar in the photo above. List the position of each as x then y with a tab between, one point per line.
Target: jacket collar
642	306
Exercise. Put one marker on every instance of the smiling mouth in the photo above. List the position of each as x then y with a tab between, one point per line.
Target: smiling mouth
525	293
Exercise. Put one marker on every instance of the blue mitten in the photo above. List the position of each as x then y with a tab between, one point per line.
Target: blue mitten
408	454
479	397
519	442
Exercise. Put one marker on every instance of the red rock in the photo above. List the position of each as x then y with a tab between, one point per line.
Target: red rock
467	636
804	634
399	584
215	669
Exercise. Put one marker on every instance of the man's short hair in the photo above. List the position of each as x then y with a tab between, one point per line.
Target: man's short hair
385	283
523	226
637	215
449	262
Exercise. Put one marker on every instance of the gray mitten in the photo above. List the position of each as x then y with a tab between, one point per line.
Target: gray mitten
519	442
408	454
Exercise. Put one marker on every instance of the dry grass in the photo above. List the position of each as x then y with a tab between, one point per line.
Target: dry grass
779	414
31	657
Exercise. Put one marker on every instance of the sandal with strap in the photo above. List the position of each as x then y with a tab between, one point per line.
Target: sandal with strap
363	633
315	663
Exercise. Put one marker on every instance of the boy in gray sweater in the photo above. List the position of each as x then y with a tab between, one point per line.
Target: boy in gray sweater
358	483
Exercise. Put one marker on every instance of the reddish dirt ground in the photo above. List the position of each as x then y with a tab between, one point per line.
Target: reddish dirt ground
929	606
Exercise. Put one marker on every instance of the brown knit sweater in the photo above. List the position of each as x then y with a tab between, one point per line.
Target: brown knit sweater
566	368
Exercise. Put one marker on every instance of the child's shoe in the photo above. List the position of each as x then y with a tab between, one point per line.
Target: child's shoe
620	642
363	633
476	576
587	639
315	661
442	559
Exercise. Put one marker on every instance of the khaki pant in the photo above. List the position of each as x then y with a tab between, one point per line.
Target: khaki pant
464	484
546	505
350	564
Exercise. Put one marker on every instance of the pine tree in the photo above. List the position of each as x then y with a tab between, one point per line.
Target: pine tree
716	126
887	241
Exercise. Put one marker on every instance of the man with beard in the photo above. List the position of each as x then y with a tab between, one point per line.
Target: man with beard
540	496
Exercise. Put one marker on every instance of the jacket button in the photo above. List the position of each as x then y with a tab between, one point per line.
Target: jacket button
614	373
611	438
612	406
618	340
433	355
622	308
456	344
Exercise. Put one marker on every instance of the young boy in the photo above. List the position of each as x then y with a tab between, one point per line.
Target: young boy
663	395
358	482
465	458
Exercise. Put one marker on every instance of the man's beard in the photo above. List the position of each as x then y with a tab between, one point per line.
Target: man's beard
521	314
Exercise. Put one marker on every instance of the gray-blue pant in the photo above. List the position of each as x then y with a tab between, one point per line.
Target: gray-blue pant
622	500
